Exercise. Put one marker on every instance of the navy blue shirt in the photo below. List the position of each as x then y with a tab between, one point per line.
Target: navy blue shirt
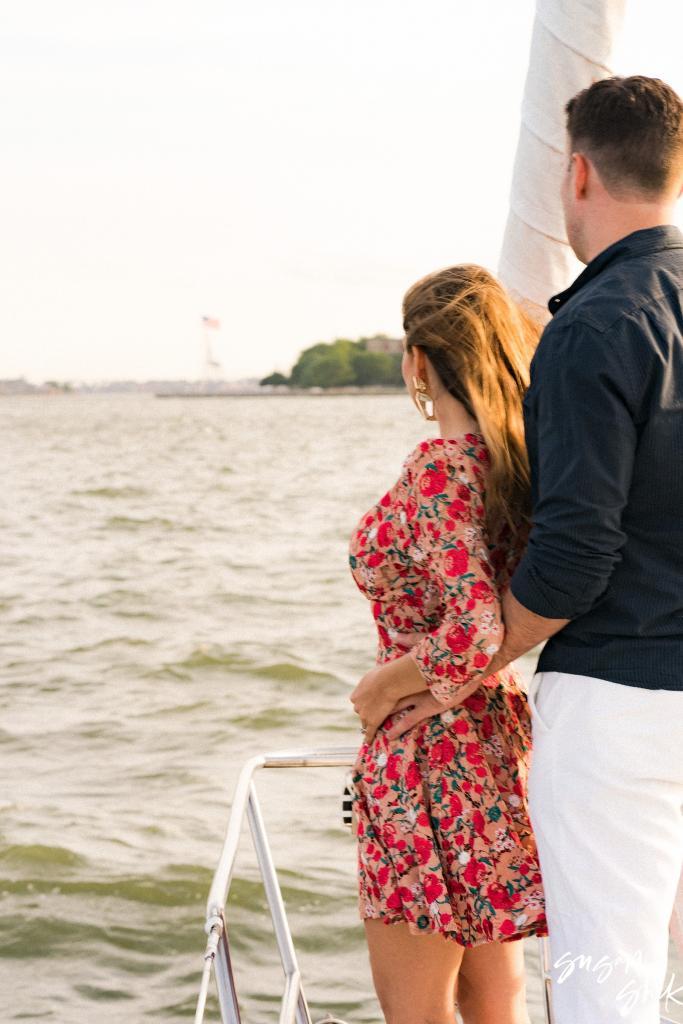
603	419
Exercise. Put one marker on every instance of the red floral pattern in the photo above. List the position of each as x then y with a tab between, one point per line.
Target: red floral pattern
444	837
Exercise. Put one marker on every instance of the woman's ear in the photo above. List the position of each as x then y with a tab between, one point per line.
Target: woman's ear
425	371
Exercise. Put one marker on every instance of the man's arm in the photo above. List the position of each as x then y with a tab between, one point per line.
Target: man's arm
523	631
580	410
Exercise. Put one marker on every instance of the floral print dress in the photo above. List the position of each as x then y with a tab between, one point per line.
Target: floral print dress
443	834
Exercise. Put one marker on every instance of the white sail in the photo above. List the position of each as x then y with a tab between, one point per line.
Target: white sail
676	923
571	47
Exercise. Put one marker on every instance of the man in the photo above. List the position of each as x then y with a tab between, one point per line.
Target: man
602	576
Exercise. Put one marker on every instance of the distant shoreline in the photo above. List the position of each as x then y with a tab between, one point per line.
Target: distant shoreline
276	391
284	393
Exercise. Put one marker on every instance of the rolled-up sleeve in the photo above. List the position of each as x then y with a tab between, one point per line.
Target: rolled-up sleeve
447	531
581	436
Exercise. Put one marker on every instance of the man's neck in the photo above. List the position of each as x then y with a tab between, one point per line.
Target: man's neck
614	229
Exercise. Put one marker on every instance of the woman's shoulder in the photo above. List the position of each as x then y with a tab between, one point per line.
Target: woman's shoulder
445	483
438	462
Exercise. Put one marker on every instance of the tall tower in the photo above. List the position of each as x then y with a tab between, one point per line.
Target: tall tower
212	367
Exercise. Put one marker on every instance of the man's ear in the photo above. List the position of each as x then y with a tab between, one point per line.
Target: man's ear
581	171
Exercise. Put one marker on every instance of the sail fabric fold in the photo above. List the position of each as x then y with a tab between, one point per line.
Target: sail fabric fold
571	47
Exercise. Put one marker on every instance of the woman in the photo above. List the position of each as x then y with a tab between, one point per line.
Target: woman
446	854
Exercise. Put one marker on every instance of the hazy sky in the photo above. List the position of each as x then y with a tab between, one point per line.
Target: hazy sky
289	168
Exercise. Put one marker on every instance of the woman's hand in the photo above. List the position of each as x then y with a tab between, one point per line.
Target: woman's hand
372	701
382	688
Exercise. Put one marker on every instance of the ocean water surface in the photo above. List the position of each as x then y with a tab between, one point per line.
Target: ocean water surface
176	598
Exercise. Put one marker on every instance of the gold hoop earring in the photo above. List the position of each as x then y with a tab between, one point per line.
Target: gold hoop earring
423	398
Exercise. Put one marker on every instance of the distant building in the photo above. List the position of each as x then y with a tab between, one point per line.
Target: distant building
17	386
383	343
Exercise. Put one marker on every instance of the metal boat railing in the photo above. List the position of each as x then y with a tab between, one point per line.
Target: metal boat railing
293	1008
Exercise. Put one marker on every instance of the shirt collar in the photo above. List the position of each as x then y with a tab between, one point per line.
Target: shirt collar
663	236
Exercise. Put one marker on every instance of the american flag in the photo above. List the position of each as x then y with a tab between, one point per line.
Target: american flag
210	321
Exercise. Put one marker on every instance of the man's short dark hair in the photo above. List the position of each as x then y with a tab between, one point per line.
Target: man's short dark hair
632	131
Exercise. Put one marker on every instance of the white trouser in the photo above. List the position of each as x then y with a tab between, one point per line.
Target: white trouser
606	805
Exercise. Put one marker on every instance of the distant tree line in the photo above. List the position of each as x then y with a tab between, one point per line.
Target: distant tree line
341	363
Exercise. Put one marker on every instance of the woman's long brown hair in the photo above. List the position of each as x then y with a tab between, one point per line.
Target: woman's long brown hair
480	342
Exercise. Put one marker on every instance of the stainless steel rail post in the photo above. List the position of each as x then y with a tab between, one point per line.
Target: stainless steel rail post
294	1008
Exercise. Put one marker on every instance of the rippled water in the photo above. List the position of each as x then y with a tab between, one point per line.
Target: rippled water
175	598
